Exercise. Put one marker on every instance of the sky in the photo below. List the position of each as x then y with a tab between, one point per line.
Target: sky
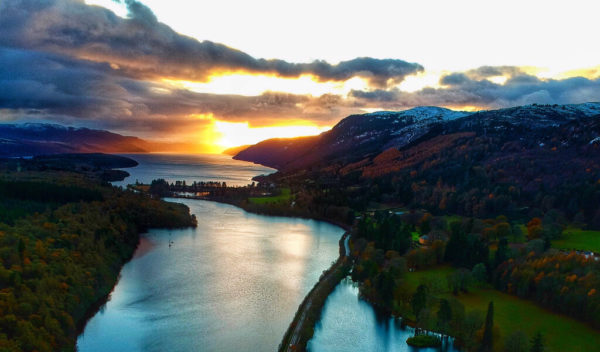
217	74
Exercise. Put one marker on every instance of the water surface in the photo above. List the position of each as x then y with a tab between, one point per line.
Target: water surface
349	323
192	167
232	284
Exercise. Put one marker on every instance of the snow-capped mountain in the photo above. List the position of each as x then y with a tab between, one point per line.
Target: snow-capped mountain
359	137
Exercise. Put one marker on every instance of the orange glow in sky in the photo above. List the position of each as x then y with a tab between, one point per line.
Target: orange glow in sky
232	134
255	84
264	30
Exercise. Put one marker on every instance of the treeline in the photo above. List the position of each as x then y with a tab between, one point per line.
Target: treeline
386	231
301	206
60	262
48	192
483	192
568	283
382	278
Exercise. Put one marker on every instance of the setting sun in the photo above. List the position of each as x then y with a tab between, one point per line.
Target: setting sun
233	134
299	175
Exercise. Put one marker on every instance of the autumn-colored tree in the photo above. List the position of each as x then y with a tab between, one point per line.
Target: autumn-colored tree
58	262
534	228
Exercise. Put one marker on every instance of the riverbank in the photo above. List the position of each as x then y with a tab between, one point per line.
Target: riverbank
235	281
264	209
301	329
66	237
96	306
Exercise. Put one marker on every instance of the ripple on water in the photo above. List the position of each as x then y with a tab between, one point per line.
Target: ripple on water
232	284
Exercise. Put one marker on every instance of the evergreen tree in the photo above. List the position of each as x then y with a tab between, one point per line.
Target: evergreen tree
419	300
456	243
487	341
480	273
502	252
159	188
517	341
444	315
537	343
385	286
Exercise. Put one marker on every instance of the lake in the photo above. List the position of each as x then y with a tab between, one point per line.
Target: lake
192	167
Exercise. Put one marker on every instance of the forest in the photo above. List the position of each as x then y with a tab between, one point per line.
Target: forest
486	254
63	240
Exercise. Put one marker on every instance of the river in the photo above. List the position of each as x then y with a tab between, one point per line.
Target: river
349	323
231	284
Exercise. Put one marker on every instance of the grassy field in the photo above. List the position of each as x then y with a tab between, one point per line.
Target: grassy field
283	197
512	313
579	239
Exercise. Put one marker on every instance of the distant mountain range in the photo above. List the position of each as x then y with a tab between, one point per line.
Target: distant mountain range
41	138
30	139
370	139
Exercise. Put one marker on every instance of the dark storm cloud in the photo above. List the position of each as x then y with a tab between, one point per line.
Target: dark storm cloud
482	74
378	95
460	90
64	61
379	72
41	85
35	80
144	48
50	86
492	71
454	79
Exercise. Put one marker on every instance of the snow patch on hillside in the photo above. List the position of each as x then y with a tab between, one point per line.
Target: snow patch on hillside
421	113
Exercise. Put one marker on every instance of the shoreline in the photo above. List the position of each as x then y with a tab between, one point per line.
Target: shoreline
242	206
96	306
301	329
143	245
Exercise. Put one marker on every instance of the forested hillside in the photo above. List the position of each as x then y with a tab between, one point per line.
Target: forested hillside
63	240
520	162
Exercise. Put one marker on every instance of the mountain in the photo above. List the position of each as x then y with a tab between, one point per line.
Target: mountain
235	150
354	137
365	138
39	138
522	162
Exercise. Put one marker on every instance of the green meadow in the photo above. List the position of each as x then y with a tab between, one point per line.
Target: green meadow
579	239
283	197
511	313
